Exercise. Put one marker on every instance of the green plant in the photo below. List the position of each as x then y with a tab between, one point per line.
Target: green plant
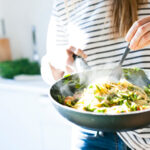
9	69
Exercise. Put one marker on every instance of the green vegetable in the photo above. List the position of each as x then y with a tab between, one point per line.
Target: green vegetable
74	102
99	97
77	86
67	75
128	72
105	105
88	108
133	107
131	88
111	96
147	91
98	88
127	103
60	99
101	110
73	82
121	101
9	69
124	96
91	86
134	97
136	69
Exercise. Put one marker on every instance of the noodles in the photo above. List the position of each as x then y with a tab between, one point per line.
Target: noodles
109	97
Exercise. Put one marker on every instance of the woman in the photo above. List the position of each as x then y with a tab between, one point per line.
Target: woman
95	30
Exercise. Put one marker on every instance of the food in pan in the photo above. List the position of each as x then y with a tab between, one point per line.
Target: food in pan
109	97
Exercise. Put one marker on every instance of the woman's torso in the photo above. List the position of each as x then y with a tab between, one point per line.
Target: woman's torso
88	27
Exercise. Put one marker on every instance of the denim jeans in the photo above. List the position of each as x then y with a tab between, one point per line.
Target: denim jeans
85	140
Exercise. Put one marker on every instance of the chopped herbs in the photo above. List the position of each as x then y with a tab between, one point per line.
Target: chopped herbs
98	88
60	99
101	110
110	97
100	98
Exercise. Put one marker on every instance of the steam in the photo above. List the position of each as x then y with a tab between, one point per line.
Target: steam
86	77
65	90
95	75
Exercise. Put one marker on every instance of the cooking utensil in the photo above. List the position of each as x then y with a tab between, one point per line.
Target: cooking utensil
80	64
5	52
137	77
116	72
35	55
89	120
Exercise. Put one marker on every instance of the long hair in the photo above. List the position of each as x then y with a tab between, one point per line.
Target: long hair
123	13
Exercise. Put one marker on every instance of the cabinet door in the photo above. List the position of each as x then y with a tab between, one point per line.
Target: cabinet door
55	129
29	122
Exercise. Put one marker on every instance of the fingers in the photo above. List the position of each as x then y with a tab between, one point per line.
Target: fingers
70	59
145	41
138	34
70	68
72	50
135	27
80	53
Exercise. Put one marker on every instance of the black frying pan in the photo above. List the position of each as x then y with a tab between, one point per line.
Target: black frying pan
89	120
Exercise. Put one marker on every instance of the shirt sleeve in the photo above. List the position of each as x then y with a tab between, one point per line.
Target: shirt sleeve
137	139
57	42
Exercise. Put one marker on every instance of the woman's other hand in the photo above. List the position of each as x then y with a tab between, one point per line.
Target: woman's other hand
139	34
70	60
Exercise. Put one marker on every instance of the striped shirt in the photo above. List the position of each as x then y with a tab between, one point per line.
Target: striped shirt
86	25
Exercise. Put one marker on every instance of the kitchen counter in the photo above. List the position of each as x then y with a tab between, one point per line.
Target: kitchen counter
28	121
33	84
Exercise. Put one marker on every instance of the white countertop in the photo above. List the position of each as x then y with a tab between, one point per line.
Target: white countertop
26	83
28	120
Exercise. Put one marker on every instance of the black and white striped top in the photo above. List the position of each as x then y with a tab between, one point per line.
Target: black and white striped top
86	25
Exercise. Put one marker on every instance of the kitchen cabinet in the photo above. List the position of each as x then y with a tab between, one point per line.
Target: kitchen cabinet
28	121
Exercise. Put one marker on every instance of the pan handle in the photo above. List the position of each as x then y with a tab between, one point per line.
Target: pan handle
80	63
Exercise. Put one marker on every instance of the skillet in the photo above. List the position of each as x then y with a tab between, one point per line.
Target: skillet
67	86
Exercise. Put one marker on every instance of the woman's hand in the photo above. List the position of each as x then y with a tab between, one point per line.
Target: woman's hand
69	62
139	34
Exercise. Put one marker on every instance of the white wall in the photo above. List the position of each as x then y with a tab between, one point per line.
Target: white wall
19	17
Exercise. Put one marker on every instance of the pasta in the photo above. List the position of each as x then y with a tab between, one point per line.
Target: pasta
109	97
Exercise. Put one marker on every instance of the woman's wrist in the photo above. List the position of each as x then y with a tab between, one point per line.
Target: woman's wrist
57	73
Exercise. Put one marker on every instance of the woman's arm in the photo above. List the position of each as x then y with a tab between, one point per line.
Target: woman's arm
59	57
49	73
51	65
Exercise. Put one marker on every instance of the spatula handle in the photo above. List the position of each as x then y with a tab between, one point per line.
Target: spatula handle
124	55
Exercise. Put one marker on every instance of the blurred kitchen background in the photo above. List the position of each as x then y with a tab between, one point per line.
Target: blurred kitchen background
28	120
